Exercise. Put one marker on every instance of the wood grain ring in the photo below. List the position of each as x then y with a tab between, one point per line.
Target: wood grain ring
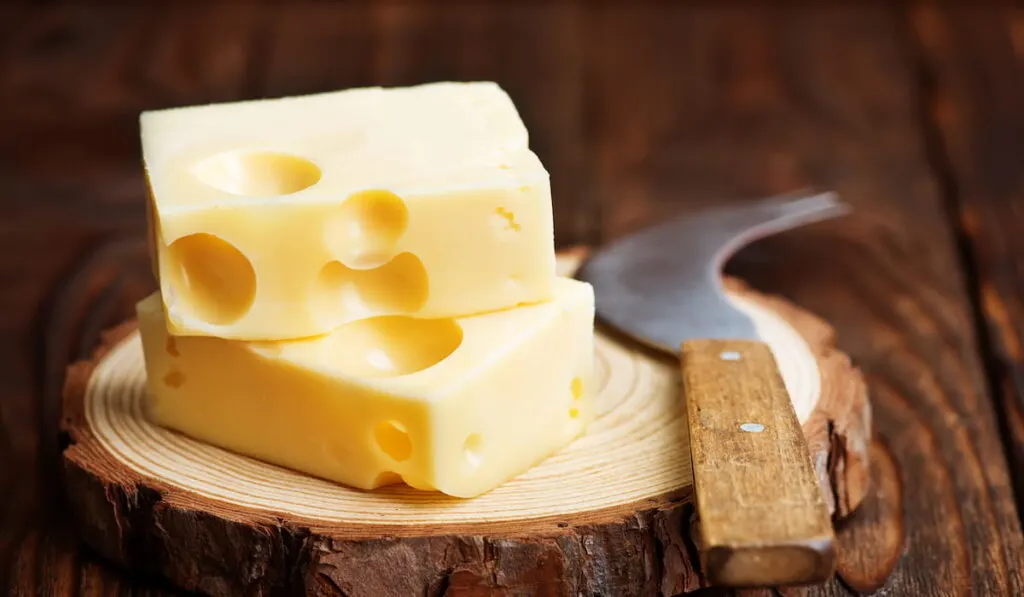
618	498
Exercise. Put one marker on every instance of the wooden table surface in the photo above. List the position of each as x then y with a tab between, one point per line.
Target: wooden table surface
913	113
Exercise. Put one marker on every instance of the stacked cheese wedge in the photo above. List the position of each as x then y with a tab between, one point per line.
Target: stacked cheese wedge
360	285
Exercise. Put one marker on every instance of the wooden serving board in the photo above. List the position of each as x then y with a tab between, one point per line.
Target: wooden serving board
608	515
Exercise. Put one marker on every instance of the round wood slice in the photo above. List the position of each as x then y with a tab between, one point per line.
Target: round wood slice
608	515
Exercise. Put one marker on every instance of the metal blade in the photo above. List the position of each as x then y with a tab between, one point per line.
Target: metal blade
663	285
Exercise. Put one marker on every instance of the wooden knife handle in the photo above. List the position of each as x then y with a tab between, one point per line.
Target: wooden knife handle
763	520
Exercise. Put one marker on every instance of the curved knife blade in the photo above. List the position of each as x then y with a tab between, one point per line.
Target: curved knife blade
662	285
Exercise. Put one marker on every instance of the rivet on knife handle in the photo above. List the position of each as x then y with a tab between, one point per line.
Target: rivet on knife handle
763	521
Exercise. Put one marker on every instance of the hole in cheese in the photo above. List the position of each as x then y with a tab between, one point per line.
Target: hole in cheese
363	234
174	379
473	447
257	173
393	440
399	286
576	387
171	346
211	279
392	345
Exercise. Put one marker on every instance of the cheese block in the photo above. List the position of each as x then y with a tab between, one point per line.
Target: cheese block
283	218
456	405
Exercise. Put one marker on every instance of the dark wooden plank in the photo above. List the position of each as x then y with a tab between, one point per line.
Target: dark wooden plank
49	563
22	567
725	104
73	78
52	61
121	58
871	543
637	110
319	47
975	68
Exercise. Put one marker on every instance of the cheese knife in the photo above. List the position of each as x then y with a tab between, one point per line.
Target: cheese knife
762	518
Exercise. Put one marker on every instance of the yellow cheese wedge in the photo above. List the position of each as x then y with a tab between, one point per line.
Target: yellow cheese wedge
457	405
284	218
